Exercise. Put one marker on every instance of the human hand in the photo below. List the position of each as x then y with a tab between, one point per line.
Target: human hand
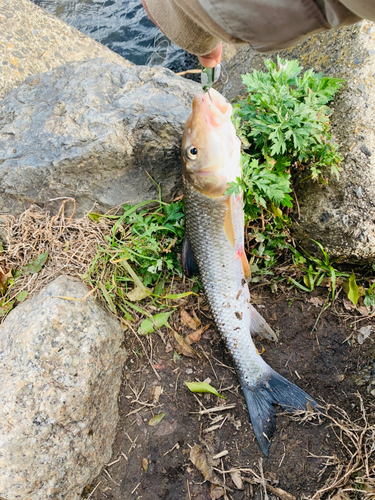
209	60
213	58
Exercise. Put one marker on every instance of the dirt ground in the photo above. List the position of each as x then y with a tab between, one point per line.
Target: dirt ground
153	462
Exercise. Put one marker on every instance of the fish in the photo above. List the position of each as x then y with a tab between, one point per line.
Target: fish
214	246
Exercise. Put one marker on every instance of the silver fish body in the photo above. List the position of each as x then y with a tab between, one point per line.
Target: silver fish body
227	292
223	277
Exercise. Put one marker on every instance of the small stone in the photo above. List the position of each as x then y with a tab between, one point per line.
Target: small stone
189	371
372	392
365	150
357	60
362	88
358	192
324	217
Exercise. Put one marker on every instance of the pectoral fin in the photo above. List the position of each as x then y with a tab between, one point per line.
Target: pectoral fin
259	326
189	264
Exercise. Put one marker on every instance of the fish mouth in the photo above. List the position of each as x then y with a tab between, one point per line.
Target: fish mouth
213	106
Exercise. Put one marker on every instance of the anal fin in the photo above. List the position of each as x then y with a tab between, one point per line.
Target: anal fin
259	326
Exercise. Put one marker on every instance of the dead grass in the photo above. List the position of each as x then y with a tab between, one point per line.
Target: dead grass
71	245
352	473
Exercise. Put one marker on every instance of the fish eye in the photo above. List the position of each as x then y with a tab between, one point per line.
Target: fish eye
191	153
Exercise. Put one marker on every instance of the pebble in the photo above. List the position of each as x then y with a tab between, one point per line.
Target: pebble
365	150
358	192
189	371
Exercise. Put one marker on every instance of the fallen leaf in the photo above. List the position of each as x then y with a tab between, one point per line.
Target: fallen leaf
166	428
353	294
148	325
36	265
21	296
159	367
4	309
156	392
237	479
364	333
196	336
145	464
168	347
315	301
156	419
200	460
182	347
139	420
4	281
138	293
216	491
203	387
196	319
363	310
187	320
348	305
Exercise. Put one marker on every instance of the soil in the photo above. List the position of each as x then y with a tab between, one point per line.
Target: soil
153	462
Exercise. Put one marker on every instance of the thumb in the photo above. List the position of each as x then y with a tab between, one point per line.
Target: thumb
213	58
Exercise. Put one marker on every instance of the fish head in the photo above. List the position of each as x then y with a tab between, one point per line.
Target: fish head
210	148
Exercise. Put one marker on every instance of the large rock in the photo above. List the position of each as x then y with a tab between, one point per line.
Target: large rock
92	131
60	372
341	215
32	41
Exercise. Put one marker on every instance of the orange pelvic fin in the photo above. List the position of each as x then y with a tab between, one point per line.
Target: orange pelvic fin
240	254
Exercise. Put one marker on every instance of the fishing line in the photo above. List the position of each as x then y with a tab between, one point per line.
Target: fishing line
159	41
223	73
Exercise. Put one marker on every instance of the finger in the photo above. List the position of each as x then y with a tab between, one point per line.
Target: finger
213	58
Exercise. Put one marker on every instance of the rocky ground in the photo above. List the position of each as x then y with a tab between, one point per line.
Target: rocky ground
154	462
328	353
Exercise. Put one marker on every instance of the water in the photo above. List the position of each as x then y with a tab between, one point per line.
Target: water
124	27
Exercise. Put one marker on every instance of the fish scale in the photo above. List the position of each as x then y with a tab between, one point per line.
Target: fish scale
222	277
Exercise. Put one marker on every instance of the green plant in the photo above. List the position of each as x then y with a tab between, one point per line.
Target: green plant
283	125
140	259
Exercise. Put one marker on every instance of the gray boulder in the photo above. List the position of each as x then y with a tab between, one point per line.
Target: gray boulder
340	215
92	131
33	41
60	373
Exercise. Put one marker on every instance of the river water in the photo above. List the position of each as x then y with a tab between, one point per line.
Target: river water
123	26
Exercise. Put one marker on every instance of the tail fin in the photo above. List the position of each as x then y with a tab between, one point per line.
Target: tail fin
272	389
